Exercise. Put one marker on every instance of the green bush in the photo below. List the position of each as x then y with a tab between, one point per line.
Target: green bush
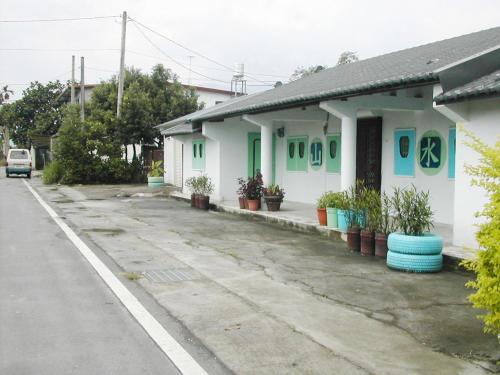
52	173
413	214
487	264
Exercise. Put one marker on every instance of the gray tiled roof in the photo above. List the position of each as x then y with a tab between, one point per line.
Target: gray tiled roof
488	85
182	128
409	66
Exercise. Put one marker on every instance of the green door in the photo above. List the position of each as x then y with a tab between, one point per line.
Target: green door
254	154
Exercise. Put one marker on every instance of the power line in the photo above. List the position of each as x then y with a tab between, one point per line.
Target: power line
174	60
57	19
189	49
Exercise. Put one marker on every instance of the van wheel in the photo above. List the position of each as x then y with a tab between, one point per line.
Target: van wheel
7	175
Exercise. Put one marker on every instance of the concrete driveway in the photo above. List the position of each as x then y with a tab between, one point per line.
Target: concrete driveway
264	299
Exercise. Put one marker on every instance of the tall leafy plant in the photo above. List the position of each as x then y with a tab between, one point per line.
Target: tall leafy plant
487	264
412	210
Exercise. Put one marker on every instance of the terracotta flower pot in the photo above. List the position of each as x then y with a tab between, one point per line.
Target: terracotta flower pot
381	245
197	201
253	204
367	242
353	239
321	216
246	203
273	202
241	201
204	202
193	200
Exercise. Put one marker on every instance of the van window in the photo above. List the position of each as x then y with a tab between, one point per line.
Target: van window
19	154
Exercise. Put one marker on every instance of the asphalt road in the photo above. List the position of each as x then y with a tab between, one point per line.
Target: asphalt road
56	315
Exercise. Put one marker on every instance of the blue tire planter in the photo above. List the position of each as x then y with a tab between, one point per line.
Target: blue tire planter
428	244
414	263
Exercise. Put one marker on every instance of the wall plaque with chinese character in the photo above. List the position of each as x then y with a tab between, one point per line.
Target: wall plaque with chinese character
431	152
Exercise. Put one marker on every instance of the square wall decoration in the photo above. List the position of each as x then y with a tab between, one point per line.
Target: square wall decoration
404	152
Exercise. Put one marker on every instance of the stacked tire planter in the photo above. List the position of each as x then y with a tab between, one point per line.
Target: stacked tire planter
415	253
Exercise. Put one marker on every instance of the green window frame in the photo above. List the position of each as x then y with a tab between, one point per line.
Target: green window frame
333	151
297	154
198	155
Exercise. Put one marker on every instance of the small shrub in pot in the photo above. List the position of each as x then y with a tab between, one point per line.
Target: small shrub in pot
273	196
370	201
321	209
253	192
206	187
242	187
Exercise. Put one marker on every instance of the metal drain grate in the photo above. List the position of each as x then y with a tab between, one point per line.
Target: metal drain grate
172	275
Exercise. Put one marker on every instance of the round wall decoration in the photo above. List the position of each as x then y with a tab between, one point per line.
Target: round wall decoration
431	152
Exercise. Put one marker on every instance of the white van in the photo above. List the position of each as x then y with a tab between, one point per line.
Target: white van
18	162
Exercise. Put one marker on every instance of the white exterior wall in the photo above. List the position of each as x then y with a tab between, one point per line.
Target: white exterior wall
233	147
210	98
212	165
169	159
306	186
484	121
441	188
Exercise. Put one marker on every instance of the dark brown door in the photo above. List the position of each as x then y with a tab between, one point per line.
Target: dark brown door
369	152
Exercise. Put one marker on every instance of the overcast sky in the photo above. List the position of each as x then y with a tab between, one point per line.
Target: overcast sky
270	37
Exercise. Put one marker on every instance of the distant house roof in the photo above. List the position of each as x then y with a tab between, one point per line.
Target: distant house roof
208	89
66	93
486	86
408	67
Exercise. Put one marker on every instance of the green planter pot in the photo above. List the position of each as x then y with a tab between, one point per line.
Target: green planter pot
331	217
155	181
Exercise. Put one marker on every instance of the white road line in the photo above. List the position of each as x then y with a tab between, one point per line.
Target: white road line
179	357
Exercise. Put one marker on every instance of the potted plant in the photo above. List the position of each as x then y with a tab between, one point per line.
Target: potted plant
334	203
343	207
191	184
253	192
206	188
414	248
273	196
354	216
370	200
155	175
242	186
385	226
321	208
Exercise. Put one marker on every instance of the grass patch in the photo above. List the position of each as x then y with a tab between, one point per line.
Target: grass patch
132	276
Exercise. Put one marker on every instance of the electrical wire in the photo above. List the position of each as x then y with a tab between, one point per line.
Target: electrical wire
188	49
174	60
58	19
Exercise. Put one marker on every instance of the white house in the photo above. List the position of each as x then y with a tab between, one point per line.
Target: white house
390	120
210	96
173	148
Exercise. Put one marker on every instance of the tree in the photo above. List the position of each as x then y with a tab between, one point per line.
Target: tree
301	72
487	264
5	94
347	57
136	122
38	112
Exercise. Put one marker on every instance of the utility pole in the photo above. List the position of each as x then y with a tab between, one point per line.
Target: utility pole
82	89
73	79
121	78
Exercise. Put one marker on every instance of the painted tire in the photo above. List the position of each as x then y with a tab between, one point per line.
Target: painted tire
414	263
428	244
